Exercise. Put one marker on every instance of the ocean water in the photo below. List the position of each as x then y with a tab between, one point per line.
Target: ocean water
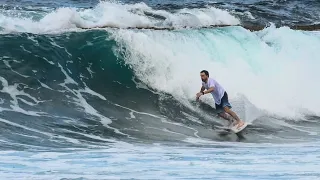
106	89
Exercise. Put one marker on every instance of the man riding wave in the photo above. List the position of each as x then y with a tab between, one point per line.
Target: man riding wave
220	97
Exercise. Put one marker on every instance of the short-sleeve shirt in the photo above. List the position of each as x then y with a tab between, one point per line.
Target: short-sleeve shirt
218	91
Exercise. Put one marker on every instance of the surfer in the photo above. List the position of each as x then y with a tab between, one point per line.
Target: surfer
220	97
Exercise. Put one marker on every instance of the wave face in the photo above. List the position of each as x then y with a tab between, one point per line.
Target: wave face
88	88
63	86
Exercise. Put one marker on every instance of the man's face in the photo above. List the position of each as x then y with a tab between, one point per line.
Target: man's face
204	77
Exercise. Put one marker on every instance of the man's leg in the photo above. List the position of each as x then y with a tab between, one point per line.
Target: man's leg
221	113
227	108
234	115
226	117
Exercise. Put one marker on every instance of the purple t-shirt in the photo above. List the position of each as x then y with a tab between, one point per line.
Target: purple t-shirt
218	91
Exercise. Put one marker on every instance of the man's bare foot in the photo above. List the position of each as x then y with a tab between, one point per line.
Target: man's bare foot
241	123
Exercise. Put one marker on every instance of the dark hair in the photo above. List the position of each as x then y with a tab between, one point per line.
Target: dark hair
205	72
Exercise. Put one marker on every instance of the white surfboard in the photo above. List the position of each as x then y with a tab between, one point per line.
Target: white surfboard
236	130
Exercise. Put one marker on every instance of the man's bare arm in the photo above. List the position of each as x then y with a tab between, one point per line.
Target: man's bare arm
209	90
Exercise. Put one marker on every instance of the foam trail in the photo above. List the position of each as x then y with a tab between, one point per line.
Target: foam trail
163	119
111	14
9	66
258	67
81	101
40	132
14	93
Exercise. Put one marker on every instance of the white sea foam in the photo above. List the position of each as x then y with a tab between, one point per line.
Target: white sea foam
273	71
16	95
112	14
127	161
82	103
50	135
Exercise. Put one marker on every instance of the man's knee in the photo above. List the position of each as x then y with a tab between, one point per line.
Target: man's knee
225	116
222	114
226	109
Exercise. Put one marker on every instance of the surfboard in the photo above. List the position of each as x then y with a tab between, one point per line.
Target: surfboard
237	130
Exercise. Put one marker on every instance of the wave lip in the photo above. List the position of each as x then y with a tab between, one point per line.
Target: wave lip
107	14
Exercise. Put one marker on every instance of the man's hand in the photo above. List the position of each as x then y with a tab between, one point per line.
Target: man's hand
199	94
203	93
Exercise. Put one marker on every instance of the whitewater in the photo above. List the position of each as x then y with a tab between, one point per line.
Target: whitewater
106	90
